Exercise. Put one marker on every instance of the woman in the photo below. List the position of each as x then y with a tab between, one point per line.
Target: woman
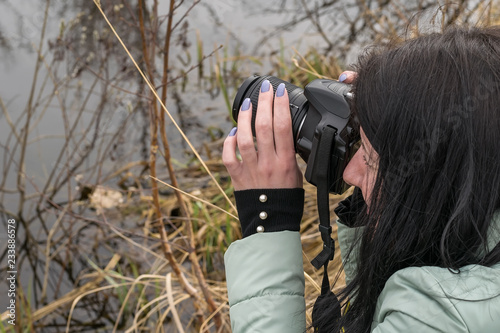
423	254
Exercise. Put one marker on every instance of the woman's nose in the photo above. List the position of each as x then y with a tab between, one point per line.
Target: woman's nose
355	171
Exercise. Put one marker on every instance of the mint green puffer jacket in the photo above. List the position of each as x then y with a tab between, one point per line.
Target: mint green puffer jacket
265	282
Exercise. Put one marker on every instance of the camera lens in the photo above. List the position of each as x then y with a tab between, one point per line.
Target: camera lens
322	105
250	88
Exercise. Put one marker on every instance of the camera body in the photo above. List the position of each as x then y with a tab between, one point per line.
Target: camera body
322	103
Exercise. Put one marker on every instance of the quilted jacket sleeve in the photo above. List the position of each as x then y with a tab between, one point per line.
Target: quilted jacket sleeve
265	282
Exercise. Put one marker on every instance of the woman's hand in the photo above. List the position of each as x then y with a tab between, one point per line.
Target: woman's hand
272	164
347	76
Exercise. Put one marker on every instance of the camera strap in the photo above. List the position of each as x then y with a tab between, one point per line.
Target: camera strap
327	299
322	170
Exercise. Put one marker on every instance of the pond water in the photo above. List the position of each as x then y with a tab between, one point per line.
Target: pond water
237	26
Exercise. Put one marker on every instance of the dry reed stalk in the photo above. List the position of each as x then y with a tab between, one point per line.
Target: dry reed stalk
197	198
167	250
139	281
24	143
154	144
184	211
161	301
163	132
70	296
170	296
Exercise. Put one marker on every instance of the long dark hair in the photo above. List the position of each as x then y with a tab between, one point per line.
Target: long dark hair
430	107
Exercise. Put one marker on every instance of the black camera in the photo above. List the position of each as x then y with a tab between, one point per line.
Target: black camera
323	104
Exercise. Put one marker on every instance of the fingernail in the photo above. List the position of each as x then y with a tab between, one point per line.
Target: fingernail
342	77
280	91
265	86
233	131
246	104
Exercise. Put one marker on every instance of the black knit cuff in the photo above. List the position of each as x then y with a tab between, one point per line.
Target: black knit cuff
269	210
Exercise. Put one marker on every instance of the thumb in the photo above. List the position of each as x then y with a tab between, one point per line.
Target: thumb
348	76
